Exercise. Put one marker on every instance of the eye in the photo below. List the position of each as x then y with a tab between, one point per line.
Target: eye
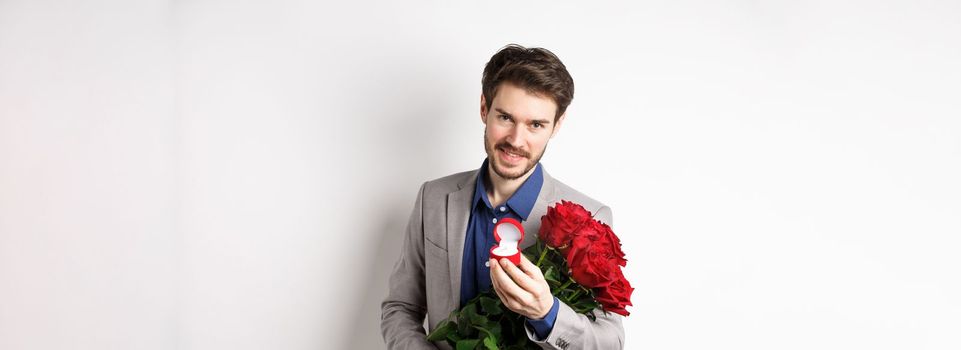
538	125
504	117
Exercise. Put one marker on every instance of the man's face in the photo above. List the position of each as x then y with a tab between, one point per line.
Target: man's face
518	126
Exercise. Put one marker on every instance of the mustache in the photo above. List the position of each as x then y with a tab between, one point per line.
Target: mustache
507	148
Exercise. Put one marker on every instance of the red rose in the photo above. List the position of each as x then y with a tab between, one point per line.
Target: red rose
616	296
591	256
592	268
582	240
612	245
561	223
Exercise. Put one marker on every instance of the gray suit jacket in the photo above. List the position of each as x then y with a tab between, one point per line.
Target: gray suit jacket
426	277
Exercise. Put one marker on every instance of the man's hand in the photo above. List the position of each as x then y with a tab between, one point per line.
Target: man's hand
523	290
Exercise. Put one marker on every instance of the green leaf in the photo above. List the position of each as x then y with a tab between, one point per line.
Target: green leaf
470	310
491	306
551	275
463	325
467	344
475	318
454	337
485	331
495	330
490	343
480	321
440	333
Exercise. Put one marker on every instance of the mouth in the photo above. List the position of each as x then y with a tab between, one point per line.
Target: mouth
510	157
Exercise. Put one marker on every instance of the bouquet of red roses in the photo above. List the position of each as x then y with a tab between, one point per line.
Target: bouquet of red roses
581	260
592	252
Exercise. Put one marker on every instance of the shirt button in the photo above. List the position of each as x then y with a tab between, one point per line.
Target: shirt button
503	209
487	263
495	220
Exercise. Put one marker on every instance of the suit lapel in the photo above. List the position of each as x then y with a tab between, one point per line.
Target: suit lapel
458	213
544	198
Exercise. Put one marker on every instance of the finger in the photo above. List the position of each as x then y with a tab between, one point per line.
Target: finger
507	285
530	269
498	278
522	279
495	282
497	290
493	266
495	272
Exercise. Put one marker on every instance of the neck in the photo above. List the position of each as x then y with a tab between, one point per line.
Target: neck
500	189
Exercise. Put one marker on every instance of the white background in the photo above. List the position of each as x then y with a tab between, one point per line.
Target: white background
237	174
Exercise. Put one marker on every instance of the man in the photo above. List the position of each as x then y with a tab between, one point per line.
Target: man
444	260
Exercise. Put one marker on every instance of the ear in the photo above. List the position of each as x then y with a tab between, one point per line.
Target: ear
557	125
483	109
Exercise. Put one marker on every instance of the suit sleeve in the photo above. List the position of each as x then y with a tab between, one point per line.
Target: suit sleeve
404	309
575	331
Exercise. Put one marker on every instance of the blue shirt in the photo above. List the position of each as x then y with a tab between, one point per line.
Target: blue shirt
475	274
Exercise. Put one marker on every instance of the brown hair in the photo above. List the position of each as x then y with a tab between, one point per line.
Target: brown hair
536	70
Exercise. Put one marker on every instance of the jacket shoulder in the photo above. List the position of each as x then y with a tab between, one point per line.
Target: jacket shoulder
600	210
442	186
448	183
568	193
451	181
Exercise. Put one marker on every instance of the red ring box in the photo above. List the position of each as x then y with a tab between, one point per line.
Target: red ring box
509	233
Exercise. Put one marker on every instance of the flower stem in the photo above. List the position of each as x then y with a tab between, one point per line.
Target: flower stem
541	258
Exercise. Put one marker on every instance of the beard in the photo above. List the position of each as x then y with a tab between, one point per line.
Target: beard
503	172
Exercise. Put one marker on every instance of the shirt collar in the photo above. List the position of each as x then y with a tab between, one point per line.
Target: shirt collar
522	201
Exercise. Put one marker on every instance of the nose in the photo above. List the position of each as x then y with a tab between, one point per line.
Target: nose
516	137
